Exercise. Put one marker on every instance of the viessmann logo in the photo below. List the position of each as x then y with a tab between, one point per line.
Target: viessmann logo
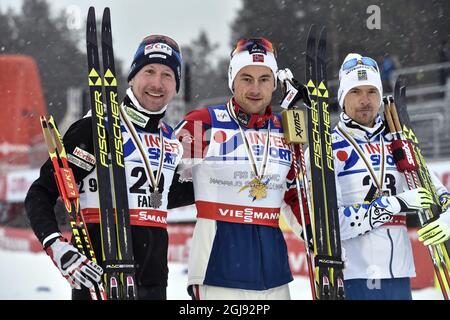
249	215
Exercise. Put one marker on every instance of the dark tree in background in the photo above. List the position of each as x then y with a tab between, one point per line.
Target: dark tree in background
411	30
206	80
279	21
60	62
6	31
55	48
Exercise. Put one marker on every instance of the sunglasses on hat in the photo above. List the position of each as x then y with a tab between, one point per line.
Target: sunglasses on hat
366	61
253	45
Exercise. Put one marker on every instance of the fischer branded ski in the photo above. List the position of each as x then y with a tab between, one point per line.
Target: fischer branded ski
323	205
125	247
409	160
112	191
68	192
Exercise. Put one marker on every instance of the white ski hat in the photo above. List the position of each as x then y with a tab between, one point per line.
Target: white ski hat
252	56
356	71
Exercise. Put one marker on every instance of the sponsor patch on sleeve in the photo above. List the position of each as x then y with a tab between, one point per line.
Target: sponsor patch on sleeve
84	155
79	163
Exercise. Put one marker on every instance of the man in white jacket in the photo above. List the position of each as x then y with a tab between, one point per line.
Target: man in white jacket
373	196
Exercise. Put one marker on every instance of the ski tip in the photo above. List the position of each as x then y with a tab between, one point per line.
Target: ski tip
311	40
403	91
91	26
91	12
312	31
322	45
106	14
399	87
402	81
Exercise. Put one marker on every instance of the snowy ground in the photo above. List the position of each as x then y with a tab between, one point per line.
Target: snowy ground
32	276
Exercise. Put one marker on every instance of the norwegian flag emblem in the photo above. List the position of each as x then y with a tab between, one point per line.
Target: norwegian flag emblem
258	58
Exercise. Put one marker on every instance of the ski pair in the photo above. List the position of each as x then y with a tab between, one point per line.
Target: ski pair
409	160
319	189
68	192
322	200
117	249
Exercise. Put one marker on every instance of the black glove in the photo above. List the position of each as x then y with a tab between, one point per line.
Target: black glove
309	235
292	90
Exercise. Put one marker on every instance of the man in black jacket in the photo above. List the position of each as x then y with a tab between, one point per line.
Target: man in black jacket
154	79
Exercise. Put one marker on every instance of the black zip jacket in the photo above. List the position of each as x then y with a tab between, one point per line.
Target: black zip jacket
149	243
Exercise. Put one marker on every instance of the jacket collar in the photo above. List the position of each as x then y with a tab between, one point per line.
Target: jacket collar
146	120
254	120
359	131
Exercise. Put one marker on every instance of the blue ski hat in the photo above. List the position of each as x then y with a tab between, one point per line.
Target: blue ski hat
157	49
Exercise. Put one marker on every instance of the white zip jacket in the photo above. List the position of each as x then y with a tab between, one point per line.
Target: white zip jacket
376	247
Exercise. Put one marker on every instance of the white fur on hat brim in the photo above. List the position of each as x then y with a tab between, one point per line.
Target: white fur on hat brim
349	80
244	58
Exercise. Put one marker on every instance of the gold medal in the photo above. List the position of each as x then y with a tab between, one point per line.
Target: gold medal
258	189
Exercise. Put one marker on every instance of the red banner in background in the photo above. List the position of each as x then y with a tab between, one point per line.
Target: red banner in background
424	266
179	246
422	260
442	170
179	241
180	237
2	186
18	239
15	183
